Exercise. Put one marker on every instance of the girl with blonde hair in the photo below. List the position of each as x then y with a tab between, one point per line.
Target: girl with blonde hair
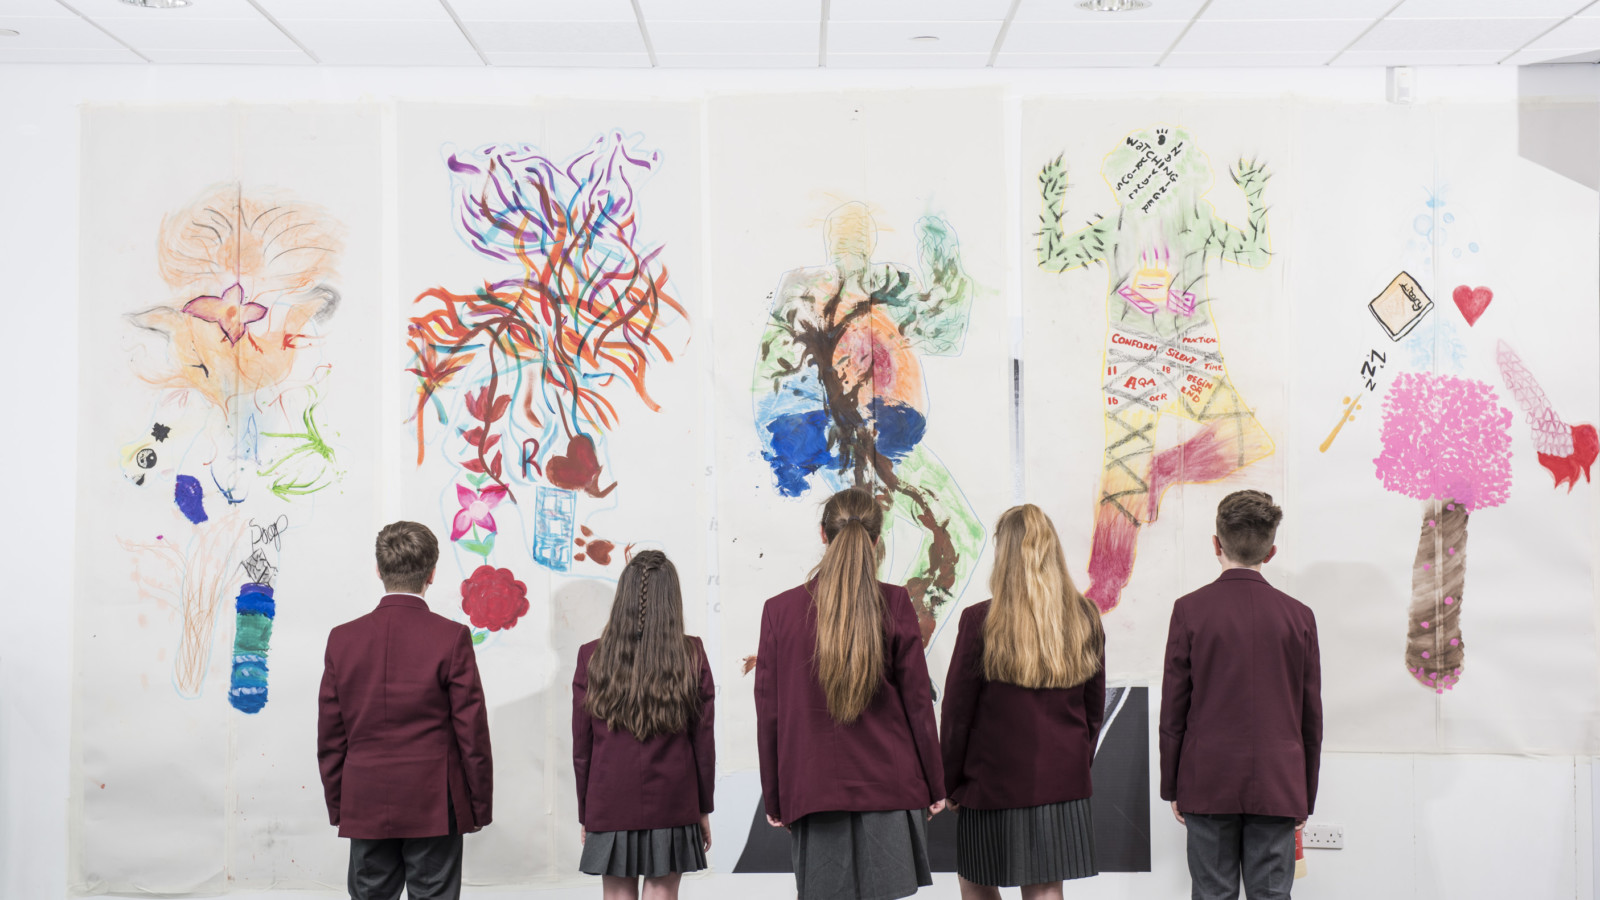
844	709
1023	705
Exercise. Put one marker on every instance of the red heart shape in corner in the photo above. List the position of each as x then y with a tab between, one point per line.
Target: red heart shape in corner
1472	302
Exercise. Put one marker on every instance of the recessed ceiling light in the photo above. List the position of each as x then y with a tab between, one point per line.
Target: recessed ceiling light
925	39
158	4
1113	5
10	32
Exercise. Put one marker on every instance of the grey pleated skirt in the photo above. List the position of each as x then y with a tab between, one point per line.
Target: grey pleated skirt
861	855
648	854
1032	845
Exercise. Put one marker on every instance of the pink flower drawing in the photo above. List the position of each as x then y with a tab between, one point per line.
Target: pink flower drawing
476	509
228	312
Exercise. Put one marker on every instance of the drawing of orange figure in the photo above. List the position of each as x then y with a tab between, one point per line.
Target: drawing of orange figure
1162	353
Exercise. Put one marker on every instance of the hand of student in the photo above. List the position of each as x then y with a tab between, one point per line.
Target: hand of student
583	835
705	832
1299	824
1175	814
935	809
776	824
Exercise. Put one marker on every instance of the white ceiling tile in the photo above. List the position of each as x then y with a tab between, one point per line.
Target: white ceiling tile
544	10
1451	34
733	37
41	33
918	10
1247	37
1579	33
201	34
230	57
418	10
571	60
45	8
1296	9
731	10
1418	58
1487	9
399	43
66	55
1283	59
558	37
1092	37
896	37
103	10
737	60
1068	11
1543	57
1076	60
907	60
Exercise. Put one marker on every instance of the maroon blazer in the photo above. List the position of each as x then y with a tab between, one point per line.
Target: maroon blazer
1241	701
625	784
886	760
1008	747
402	725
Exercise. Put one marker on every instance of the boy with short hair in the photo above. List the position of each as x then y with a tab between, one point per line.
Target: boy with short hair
403	733
1241	714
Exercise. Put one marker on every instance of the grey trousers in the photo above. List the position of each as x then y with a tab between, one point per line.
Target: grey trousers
1222	849
428	868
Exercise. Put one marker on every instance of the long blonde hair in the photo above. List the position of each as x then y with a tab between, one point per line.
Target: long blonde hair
1040	632
850	608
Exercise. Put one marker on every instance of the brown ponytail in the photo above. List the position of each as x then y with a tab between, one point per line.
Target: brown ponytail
850	609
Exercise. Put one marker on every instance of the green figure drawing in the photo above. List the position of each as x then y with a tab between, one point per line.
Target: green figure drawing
840	391
1162	352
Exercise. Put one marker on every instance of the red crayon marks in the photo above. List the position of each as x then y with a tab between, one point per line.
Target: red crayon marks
1131	342
1472	302
1180	356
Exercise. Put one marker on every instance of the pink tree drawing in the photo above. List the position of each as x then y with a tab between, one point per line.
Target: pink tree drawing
1446	442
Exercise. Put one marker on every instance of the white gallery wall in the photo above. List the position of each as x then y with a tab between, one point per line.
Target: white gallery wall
1416	825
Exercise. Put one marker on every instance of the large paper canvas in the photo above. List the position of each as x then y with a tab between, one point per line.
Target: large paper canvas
225	483
1383	335
549	351
861	339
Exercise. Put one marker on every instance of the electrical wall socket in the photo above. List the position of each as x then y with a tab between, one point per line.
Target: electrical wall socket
1318	836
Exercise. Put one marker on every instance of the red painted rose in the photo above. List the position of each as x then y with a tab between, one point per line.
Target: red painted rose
494	598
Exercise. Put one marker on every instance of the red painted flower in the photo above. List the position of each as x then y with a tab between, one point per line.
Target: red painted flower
476	509
493	598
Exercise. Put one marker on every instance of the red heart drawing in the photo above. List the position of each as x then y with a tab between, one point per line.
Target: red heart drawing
1472	302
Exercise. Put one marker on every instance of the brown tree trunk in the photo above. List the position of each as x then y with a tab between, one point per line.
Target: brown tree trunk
1434	648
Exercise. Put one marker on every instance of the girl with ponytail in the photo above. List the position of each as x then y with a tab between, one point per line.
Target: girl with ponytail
1024	700
642	748
849	748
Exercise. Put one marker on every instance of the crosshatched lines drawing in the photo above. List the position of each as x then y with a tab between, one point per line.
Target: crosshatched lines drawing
1162	351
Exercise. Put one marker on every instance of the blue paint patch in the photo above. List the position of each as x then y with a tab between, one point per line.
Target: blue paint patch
799	447
252	638
190	497
799	444
900	427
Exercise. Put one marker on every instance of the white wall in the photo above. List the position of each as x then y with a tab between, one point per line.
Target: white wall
1415	826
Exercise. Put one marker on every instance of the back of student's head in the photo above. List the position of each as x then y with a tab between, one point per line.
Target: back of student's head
644	676
1247	526
407	553
1040	632
850	610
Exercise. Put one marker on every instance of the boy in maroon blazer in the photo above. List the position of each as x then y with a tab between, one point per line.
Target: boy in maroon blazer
1241	714
403	733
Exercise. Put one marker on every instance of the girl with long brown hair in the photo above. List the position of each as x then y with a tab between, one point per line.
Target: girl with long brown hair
849	748
642	747
1023	704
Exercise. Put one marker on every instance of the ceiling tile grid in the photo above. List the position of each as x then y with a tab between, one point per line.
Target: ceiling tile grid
805	33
